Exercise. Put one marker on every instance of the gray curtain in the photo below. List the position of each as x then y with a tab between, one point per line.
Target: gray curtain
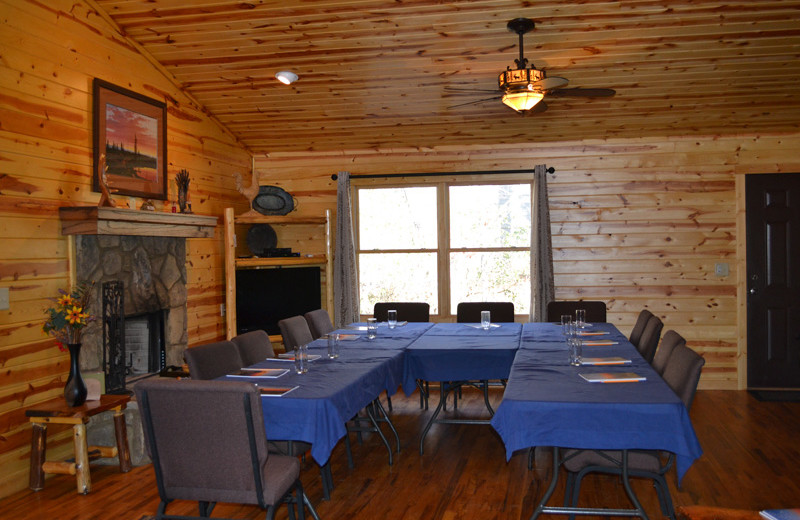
542	285
345	276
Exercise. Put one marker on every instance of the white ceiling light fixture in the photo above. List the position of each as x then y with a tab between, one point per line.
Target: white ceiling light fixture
286	77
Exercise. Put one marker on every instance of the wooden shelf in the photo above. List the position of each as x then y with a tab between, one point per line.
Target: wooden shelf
93	220
282	261
232	263
278	219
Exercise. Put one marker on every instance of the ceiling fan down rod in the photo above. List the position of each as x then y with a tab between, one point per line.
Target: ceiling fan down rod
521	26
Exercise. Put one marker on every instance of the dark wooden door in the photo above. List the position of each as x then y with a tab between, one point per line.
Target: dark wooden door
773	280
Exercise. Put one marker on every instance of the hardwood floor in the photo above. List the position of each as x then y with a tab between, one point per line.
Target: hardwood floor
750	462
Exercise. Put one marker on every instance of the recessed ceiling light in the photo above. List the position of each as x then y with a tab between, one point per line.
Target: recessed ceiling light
286	77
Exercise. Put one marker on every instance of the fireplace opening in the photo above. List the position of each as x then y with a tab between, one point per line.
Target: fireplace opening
145	352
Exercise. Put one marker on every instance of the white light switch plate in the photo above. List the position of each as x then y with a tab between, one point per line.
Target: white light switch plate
4	304
721	269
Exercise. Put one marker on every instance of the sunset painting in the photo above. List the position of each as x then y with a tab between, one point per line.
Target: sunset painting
131	144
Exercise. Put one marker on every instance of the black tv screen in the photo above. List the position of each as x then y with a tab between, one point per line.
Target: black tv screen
266	296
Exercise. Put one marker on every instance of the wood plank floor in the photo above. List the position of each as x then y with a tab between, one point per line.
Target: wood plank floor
751	457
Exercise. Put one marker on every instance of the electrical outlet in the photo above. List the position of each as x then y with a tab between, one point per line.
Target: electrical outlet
222	309
4	304
721	269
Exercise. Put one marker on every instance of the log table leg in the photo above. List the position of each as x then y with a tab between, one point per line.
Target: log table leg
121	432
82	475
38	456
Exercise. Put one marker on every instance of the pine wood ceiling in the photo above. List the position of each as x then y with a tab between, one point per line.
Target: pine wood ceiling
373	73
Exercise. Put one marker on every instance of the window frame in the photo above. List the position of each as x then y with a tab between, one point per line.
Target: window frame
443	249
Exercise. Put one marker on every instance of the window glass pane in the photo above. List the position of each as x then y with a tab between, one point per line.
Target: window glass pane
397	218
398	277
490	216
498	277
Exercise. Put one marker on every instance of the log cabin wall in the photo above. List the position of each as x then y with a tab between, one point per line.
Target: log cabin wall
636	222
51	51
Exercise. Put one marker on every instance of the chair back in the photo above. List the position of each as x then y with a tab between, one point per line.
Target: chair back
406	311
683	373
208	443
670	340
319	323
254	346
649	342
470	312
638	328
295	332
595	310
213	360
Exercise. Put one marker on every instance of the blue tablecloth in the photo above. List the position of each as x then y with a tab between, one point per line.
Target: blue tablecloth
534	333
411	330
458	352
328	395
547	403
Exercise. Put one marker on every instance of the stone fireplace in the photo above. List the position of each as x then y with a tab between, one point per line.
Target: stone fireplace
146	251
153	273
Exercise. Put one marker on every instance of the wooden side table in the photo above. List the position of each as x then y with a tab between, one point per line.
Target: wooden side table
56	411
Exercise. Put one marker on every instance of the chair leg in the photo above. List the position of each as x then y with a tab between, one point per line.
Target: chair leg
664	497
271	512
205	508
303	499
349	450
389	401
299	496
530	459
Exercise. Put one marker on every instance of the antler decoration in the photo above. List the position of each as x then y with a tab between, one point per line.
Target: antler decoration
105	193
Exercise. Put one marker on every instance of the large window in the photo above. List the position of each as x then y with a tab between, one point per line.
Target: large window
444	243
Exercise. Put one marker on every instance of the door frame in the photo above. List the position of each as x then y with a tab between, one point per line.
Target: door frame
741	280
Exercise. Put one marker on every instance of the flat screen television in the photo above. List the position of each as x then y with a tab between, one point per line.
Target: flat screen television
266	296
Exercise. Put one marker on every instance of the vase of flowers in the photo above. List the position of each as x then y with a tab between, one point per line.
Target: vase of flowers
66	319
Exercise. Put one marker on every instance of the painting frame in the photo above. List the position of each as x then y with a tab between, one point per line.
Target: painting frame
130	133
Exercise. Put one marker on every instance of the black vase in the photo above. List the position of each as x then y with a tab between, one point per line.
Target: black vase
75	389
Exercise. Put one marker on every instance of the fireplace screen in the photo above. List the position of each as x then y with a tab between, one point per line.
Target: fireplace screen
114	337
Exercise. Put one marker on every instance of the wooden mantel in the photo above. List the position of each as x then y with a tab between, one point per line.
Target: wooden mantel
93	220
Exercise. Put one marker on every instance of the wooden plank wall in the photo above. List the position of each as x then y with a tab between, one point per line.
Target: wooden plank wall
638	223
51	51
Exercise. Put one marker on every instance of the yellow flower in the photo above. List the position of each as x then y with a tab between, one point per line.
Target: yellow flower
76	315
66	300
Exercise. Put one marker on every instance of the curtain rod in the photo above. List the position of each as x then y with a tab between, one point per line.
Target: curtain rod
437	174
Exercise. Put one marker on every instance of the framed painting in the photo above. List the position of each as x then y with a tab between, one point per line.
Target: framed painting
130	142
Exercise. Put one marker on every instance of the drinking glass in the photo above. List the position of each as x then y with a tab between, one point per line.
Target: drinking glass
566	319
392	318
580	318
301	359
372	328
333	346
575	350
486	320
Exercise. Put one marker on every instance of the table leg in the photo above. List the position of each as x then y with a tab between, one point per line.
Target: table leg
38	456
121	433
84	479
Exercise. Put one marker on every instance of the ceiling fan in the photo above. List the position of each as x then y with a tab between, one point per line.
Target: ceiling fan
523	88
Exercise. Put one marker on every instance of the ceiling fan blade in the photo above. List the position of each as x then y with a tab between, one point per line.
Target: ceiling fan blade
457	89
474	102
583	92
552	83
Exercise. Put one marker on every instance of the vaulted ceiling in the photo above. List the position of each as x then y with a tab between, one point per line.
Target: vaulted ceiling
373	73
